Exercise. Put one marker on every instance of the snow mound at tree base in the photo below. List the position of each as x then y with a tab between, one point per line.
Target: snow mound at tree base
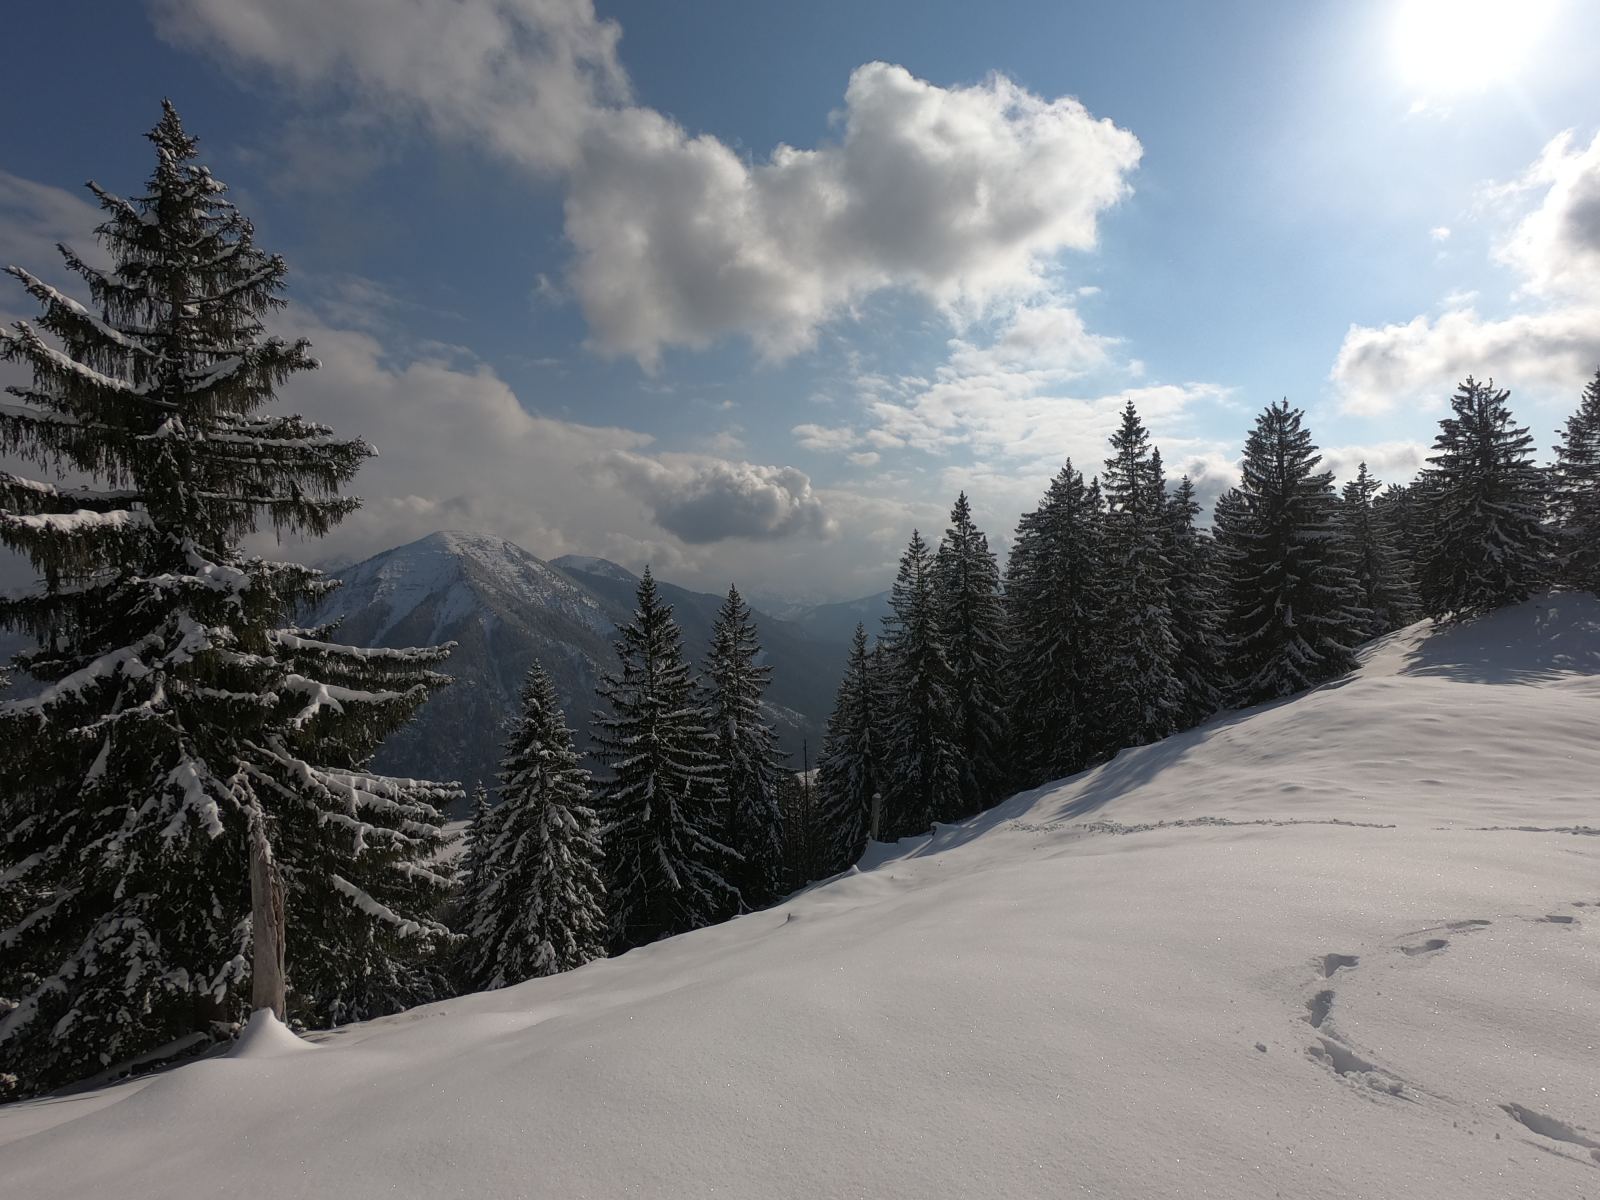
264	1036
1341	946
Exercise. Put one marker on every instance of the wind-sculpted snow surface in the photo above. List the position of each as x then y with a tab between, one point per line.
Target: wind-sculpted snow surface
1343	946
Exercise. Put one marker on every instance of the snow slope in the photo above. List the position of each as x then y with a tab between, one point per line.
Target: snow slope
1344	946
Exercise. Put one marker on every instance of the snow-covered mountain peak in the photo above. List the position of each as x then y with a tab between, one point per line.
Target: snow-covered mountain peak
455	570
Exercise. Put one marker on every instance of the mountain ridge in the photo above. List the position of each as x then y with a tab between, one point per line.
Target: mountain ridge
505	608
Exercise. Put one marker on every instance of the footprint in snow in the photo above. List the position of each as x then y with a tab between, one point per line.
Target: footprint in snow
1549	1127
1347	1064
1333	962
1431	946
1318	1008
1557	919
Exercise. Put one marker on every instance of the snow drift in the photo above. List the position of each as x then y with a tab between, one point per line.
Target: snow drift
1345	945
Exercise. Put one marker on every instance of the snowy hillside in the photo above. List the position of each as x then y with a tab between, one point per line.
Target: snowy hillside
1346	945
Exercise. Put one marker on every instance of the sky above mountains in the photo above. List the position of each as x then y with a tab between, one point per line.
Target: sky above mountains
749	290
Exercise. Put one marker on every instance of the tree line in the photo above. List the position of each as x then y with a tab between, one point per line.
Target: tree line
1118	621
189	828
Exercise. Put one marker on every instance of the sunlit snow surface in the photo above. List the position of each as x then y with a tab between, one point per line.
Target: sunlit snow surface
1360	958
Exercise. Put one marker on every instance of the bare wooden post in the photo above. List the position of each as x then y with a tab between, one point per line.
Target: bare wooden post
266	914
877	816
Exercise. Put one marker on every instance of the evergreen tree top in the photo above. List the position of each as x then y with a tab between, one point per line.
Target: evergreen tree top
1280	459
153	388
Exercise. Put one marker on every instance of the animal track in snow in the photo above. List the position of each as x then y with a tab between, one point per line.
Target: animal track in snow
1558	919
1468	926
1430	946
1332	962
1558	1131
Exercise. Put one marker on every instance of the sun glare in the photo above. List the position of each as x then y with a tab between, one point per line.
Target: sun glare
1454	46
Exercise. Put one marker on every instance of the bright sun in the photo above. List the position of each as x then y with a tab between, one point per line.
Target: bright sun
1452	46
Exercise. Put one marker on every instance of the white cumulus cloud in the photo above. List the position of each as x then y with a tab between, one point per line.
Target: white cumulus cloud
1547	350
962	194
1422	360
1556	247
701	502
524	77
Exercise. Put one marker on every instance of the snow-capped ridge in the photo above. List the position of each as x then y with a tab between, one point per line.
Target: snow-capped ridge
589	565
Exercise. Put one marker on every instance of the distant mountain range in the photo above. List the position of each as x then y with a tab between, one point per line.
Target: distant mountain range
507	608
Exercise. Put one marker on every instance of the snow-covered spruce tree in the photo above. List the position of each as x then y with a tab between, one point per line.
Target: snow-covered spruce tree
181	731
471	867
747	755
1382	581
662	805
922	759
1488	544
1055	601
1142	692
1196	612
1292	615
1404	508
849	771
1576	493
540	908
966	580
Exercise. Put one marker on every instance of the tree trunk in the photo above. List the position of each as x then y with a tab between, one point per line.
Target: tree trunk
266	910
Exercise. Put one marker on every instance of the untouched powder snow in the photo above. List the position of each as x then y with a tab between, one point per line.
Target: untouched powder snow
1343	946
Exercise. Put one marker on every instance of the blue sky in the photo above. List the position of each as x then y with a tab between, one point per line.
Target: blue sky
750	290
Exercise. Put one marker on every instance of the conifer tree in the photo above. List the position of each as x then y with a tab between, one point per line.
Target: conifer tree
922	757
849	771
746	751
967	587
540	907
472	870
1142	693
662	805
1383	583
1196	611
1055	600
1404	508
186	746
800	834
1576	493
1291	610
1488	544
